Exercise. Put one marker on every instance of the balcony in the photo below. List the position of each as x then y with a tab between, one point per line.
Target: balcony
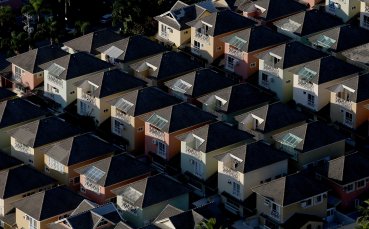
305	84
164	34
269	68
156	133
191	151
344	103
17	77
230	172
89	98
367	7
122	116
235	52
203	37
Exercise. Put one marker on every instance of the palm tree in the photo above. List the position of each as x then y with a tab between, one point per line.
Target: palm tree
17	41
47	29
207	224
82	26
6	15
34	7
363	220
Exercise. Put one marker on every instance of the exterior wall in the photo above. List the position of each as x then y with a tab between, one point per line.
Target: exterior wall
127	130
364	11
23	223
30	79
346	10
27	157
312	2
178	37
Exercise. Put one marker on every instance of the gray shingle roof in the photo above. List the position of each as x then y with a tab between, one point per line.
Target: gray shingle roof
31	60
155	189
357	83
167	212
298	220
7	161
291	189
6	94
254	156
111	82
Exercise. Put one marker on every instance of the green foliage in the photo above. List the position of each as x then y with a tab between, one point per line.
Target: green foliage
363	221
208	224
6	16
82	26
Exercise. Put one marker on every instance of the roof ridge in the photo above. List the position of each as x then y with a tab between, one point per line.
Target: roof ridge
7	174
34	139
108	169
3	105
42	204
71	147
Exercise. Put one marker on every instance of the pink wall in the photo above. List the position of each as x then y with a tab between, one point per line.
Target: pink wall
30	79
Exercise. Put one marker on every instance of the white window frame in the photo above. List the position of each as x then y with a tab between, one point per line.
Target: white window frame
357	184
236	189
161	149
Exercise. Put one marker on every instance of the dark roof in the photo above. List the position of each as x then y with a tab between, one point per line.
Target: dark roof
49	203
12	112
5	66
186	220
77	64
214	137
311	21
254	156
298	220
292	54
329	68
164	63
314	135
22	179
257	38
224	21
343	37
134	48
167	212
357	83
202	81
44	131
274	9
235	97
146	100
7	161
31	60
90	42
291	189
347	169
111	82
275	116
154	189
117	169
6	94
122	225
176	120
78	149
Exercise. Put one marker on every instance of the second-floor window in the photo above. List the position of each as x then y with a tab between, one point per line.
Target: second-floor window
236	189
118	127
310	100
196	44
161	149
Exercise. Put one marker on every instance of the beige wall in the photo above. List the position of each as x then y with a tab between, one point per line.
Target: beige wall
364	11
25	157
23	223
347	9
175	36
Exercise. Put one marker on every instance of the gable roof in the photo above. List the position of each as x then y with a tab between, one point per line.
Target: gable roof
164	63
235	97
257	38
214	137
78	149
223	22
77	64
254	156
276	116
274	9
145	100
202	81
49	203
7	161
314	135
298	220
176	120
132	48
6	94
167	212
154	190
12	112
111	82
44	131
292	54
91	41
328	69
311	21
117	168
31	60
22	179
291	189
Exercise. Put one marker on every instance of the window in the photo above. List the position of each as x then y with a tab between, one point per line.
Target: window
157	121
181	86
118	127
123	105
325	42
237	42
140	129
198	171
83	107
366	21
161	150
349	188
307	203
196	44
289	142
236	189
348	118
264	77
360	184
311	100
230	62
318	199
219	48
253	65
32	222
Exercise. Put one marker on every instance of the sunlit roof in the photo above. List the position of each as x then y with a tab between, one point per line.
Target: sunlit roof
157	121
181	86
237	42
94	174
55	69
291	140
123	105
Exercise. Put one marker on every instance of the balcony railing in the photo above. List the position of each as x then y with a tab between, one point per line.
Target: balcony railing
17	77
235	52
89	98
164	34
156	133
343	102
305	84
367	8
193	152
230	172
203	37
270	68
120	115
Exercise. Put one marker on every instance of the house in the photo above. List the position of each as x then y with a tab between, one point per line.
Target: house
26	71
163	126
19	182
162	67
6	94
241	168
61	75
270	119
41	209
267	11
96	90
14	115
349	101
200	146
231	101
127	51
242	47
279	200
8	162
90	42
27	140
275	65
311	80
302	25
126	109
98	179
207	32
172	25
142	201
90	215
364	14
346	10
311	143
197	83
348	178
63	157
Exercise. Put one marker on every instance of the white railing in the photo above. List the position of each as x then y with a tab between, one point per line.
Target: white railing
235	52
305	84
156	133
343	102
193	152
367	8
89	98
55	80
164	34
230	172
17	77
270	68
203	37
120	115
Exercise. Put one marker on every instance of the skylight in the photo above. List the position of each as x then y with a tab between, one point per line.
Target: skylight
290	26
123	105
237	42
306	74
291	140
94	174
131	195
181	86
325	42
157	121
55	69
